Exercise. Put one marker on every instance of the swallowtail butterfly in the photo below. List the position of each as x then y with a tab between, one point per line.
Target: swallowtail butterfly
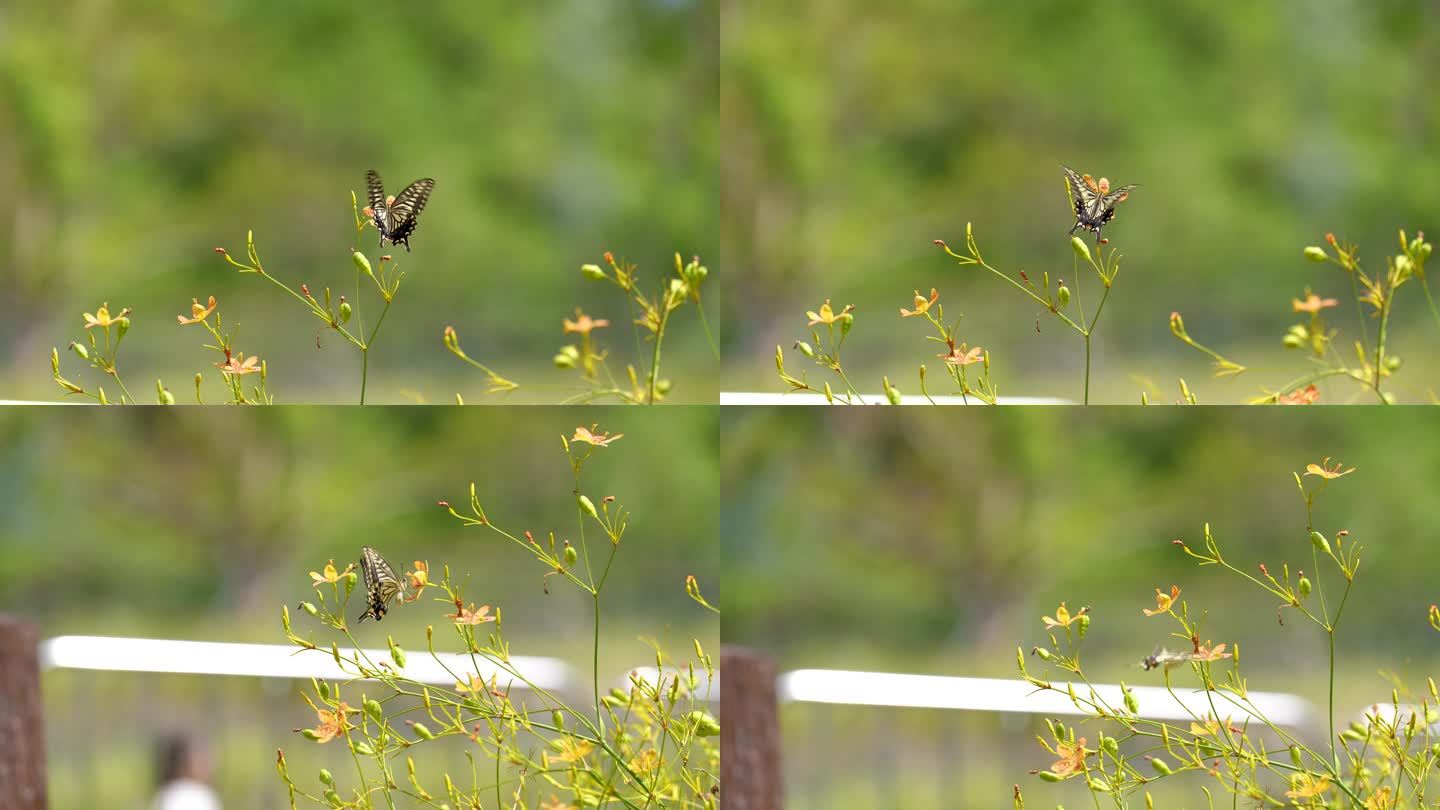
1094	201
396	217
381	584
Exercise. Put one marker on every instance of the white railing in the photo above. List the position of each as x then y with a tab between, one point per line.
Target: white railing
1016	696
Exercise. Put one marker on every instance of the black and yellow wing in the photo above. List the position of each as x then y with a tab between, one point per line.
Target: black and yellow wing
381	584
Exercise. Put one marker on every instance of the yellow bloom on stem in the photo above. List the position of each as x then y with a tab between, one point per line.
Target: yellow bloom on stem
102	317
1072	758
1300	396
1326	471
331	723
470	615
1308	786
572	750
1313	303
419	580
1063	617
1205	653
922	306
583	324
1163	601
1380	800
330	575
593	436
827	315
198	311
239	365
960	356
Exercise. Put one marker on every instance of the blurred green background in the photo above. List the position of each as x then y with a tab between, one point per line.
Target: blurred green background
858	133
934	544
136	137
202	524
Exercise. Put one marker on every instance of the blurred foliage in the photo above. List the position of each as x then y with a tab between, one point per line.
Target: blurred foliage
200	524
135	137
856	134
934	544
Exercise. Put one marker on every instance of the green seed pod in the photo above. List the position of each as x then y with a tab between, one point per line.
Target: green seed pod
396	654
1392	363
1081	249
565	359
805	349
163	395
1161	766
1063	295
1043	653
592	271
423	731
124	324
373	710
1292	341
345	310
705	724
309	734
570	554
1304	586
1109	746
1315	254
1131	702
1049	776
829	394
589	507
363	749
557	718
326	778
322	688
1320	543
1098	786
334	798
846	321
309	608
80	350
1084	624
1296	757
662	386
362	263
1020	659
891	392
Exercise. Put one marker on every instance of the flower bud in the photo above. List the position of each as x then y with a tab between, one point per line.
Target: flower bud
829	394
1081	249
54	360
1161	766
891	392
1315	254
705	724
451	339
592	271
362	263
1177	326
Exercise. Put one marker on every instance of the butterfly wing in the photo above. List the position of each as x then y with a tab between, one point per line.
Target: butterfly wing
379	211
381	584
1087	200
405	212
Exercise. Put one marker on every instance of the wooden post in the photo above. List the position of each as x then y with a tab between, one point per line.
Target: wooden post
749	732
22	743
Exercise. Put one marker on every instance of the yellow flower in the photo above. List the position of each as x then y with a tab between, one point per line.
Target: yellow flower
1300	396
583	324
419	580
1205	653
102	317
1380	800
331	723
1307	786
646	762
1326	471
828	316
959	356
921	305
1072	758
1163	602
1313	303
330	574
198	311
592	435
1063	618
572	750
470	615
239	365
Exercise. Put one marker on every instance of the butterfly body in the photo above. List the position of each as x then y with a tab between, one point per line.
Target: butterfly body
1094	201
381	584
396	217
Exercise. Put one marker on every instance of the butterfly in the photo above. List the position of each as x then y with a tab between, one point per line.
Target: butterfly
1094	202
396	217
381	584
1164	658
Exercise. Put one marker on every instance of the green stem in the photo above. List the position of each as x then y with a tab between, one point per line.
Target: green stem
655	354
1434	313
1089	331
